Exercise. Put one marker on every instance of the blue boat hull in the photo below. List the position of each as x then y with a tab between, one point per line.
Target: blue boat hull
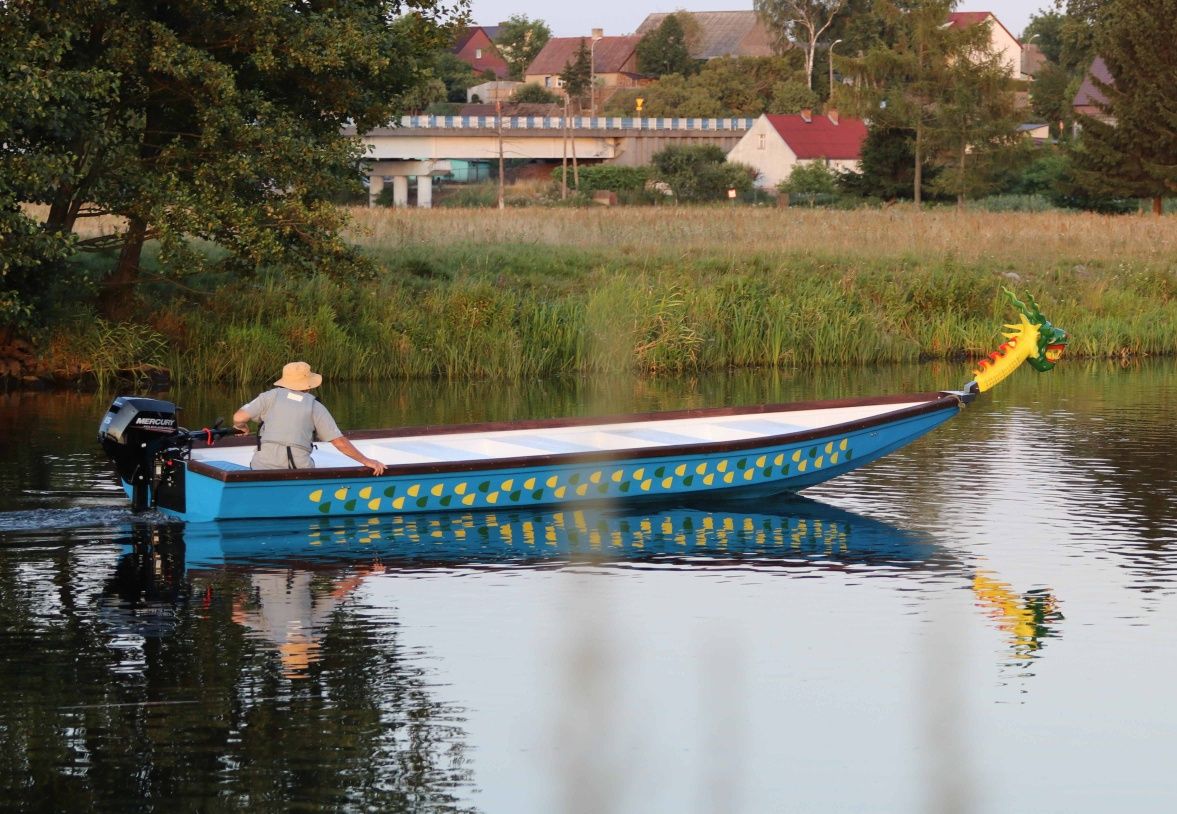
771	466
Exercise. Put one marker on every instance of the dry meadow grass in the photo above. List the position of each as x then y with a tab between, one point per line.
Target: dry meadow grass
1031	240
1014	239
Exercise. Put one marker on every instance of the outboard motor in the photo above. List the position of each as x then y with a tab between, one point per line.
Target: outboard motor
148	447
133	433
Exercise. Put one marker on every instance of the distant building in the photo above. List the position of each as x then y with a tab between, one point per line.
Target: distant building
1089	97
1003	42
475	46
491	92
1033	60
719	33
614	62
774	145
1035	131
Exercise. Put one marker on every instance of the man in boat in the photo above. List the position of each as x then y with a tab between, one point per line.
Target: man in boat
290	420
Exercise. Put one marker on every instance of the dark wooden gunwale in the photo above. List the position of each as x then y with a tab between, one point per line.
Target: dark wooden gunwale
932	403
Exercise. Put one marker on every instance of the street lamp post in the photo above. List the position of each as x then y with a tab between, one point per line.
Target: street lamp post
832	44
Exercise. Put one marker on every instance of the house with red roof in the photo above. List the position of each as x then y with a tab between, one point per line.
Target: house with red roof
1000	39
475	46
615	62
775	144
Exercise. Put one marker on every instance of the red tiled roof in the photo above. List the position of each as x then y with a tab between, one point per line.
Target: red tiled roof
610	55
821	138
963	19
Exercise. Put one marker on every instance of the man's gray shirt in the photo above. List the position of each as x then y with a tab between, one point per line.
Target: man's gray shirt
294	420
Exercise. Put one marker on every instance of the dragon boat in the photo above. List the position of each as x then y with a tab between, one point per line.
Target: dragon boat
729	452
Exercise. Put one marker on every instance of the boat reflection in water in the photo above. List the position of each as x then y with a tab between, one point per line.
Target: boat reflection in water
286	578
776	535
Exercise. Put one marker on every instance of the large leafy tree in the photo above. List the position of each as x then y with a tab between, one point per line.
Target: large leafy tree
728	86
207	120
976	124
664	50
800	22
1131	150
939	83
519	40
43	100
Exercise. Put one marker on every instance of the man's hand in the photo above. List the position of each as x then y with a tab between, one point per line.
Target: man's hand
375	465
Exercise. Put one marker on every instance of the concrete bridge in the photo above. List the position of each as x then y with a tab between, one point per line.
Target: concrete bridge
422	146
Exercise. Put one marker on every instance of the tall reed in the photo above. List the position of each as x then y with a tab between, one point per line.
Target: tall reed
525	294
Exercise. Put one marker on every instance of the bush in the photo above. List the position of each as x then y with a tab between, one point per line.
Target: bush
700	173
531	93
811	178
612	177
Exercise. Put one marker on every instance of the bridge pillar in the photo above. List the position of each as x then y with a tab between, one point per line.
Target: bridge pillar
399	171
375	187
400	191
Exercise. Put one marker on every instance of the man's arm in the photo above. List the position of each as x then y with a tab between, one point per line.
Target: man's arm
349	449
241	421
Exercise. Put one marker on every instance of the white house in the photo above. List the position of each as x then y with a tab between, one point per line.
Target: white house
1002	42
775	144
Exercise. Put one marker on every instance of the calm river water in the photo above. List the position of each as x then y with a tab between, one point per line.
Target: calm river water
985	621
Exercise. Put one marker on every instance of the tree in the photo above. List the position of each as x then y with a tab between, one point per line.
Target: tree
801	22
791	96
1045	29
532	93
700	172
1132	149
664	50
217	123
42	100
578	73
457	75
1077	46
976	124
810	179
728	86
1051	98
519	40
886	166
911	83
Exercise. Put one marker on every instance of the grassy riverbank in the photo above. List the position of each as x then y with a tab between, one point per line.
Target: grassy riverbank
541	292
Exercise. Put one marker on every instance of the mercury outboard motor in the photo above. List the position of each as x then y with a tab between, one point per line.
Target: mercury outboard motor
143	439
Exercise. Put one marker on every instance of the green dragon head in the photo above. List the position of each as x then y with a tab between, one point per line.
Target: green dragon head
1052	341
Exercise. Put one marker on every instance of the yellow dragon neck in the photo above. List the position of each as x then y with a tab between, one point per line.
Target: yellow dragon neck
1021	345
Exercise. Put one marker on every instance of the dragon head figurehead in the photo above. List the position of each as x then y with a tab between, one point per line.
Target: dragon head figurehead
1033	340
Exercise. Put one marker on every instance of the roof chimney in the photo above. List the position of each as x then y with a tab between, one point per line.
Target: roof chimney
806	115
598	33
832	115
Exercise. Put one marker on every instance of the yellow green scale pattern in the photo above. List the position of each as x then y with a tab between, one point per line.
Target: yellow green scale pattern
575	530
620	481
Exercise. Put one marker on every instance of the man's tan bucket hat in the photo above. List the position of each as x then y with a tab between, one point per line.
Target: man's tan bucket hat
299	376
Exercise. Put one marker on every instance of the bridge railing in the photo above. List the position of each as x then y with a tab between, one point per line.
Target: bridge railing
433	122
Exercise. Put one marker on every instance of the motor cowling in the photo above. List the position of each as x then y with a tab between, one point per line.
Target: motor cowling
132	433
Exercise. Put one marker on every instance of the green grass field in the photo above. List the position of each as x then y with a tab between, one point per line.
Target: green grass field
544	292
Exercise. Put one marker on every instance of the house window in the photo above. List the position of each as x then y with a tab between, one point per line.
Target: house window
547	81
763	140
478	53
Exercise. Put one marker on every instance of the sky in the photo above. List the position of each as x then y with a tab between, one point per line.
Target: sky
623	16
